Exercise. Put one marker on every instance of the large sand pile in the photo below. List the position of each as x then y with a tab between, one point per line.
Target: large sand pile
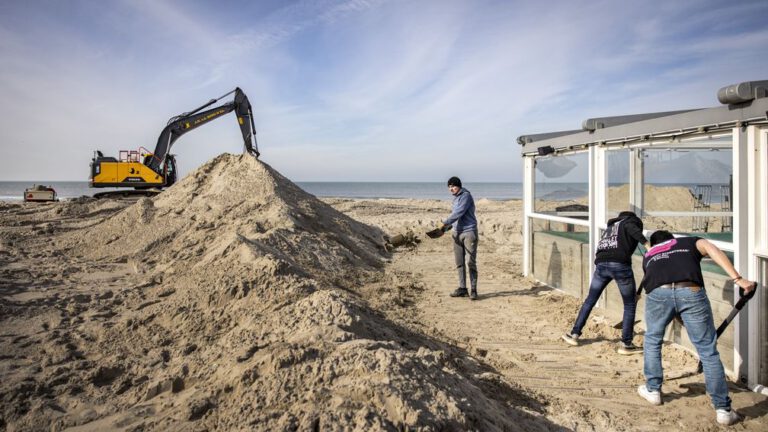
239	311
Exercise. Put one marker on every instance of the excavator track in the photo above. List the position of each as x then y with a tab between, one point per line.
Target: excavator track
127	194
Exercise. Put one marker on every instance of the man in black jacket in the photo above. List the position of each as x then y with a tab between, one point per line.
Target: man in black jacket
613	261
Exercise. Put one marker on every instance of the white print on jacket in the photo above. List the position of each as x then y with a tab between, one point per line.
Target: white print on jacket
610	239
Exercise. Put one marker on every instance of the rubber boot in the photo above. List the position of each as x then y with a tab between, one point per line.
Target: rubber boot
460	292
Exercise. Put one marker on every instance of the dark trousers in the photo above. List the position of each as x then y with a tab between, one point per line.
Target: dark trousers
625	279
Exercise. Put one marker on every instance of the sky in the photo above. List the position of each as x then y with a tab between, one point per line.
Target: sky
354	90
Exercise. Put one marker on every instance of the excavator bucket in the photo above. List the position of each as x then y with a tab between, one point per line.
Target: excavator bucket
245	120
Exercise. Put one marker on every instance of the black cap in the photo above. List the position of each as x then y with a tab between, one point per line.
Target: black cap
454	181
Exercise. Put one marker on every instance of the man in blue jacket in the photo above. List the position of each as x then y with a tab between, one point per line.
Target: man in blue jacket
464	224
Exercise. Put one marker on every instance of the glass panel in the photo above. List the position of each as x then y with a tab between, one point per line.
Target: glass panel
690	180
617	173
559	255
562	185
708	227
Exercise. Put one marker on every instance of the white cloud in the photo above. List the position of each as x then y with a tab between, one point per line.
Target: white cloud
355	90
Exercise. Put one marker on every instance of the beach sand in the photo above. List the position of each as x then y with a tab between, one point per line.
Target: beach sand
236	301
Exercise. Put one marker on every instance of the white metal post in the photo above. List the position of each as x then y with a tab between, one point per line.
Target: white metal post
596	200
636	182
741	255
528	195
601	179
592	208
756	179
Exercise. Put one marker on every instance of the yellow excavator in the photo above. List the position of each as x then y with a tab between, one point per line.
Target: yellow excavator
147	172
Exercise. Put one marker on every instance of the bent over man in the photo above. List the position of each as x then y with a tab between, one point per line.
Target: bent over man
613	261
464	224
675	286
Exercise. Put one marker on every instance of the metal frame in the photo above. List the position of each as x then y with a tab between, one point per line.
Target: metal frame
746	124
528	192
741	230
758	225
662	130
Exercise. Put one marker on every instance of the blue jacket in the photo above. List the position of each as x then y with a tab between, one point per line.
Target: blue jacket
463	213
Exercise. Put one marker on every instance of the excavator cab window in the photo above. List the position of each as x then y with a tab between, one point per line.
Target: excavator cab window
170	170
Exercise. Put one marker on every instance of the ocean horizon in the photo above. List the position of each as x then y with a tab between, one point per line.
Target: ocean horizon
13	190
497	191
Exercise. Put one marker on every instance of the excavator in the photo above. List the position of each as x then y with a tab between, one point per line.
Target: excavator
148	172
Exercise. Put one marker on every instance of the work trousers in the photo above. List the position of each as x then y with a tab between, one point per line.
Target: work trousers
465	249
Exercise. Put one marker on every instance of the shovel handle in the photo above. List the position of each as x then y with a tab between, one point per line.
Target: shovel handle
743	299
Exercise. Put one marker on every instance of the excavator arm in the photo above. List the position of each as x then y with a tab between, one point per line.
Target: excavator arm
181	124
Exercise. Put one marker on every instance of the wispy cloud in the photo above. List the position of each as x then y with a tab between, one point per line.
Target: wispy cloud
357	89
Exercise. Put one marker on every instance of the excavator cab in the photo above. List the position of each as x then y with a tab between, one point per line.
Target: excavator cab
144	170
170	170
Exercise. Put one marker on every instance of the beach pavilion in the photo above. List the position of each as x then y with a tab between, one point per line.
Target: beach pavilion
700	172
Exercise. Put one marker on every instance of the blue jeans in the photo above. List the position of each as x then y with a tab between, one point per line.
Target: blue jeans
625	279
661	306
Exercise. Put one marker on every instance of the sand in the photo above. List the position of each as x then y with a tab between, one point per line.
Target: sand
236	301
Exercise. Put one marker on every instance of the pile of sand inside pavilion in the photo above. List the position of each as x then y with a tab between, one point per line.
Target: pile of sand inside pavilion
244	315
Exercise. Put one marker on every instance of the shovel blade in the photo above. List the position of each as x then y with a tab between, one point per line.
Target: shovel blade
435	233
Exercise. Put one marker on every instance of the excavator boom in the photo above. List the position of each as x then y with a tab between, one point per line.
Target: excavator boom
186	122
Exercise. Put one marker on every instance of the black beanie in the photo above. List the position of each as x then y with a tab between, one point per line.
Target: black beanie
454	181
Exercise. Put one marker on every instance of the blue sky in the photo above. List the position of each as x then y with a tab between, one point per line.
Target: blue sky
358	90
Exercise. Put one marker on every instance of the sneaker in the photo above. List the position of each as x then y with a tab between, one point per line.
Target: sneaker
571	339
460	292
654	397
727	417
473	295
628	349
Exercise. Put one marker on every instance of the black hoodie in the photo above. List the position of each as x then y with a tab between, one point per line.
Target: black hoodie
620	239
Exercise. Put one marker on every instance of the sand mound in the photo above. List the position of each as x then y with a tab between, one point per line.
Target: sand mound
243	313
232	220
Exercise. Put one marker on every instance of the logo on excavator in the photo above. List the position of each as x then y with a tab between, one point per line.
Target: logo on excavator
210	116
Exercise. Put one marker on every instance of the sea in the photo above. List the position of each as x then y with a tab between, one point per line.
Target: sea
13	190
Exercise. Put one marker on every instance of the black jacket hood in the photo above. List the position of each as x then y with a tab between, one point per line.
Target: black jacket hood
630	216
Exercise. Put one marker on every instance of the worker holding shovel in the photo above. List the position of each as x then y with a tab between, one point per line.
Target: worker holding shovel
464	224
675	286
613	261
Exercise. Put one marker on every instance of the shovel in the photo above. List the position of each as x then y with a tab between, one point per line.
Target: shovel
438	232
743	299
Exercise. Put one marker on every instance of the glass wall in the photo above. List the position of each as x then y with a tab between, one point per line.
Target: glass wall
561	185
617	165
690	180
560	254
